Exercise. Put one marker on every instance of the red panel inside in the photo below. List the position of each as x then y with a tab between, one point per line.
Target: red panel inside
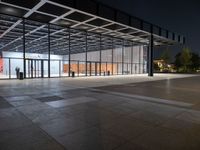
1	65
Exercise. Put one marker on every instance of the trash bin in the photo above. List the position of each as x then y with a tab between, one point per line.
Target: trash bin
108	73
73	74
21	76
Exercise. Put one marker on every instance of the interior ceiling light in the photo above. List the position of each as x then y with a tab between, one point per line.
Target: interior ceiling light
84	27
98	30
9	10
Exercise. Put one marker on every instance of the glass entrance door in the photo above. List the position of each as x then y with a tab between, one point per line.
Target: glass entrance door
96	68
36	68
93	68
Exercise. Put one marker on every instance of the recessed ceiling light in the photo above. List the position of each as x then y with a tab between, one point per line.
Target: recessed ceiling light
84	27
98	31
9	10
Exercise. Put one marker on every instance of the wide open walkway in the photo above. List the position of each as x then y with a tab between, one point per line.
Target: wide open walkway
101	113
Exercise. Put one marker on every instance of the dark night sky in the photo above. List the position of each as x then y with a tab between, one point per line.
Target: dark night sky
180	16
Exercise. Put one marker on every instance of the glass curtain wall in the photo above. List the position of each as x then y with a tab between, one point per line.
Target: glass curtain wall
144	59
118	56
78	51
45	50
36	49
137	60
11	47
127	57
93	54
106	56
59	51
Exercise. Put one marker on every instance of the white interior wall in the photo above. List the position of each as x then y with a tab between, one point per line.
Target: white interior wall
17	61
93	56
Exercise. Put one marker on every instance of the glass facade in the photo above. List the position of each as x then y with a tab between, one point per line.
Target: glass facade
42	50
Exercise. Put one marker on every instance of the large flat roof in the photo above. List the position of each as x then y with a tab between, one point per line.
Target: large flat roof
84	15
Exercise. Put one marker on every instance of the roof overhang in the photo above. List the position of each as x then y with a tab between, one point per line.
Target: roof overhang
84	15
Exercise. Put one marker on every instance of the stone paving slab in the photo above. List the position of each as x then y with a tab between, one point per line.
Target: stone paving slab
80	114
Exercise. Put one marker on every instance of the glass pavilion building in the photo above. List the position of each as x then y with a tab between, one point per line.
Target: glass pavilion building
53	38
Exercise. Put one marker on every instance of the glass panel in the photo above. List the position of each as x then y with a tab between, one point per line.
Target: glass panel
55	68
144	59
93	53
59	50
36	46
78	49
136	59
117	54
65	67
4	68
11	46
16	65
127	57
45	71
115	69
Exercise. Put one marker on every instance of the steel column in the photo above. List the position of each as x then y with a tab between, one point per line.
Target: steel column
59	68
78	68
86	49
106	67
49	52
123	58
9	72
24	48
100	56
150	53
42	68
117	68
139	59
69	54
112	56
132	58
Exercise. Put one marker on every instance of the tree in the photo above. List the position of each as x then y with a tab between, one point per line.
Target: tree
177	62
156	67
183	60
166	56
195	62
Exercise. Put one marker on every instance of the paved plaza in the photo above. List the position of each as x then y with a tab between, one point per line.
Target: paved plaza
132	112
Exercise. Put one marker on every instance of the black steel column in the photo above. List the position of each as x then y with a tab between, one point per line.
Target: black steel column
9	72
86	49
132	58
90	68
59	68
112	56
100	57
139	60
69	53
106	67
35	68
95	68
24	48
31	68
150	53
42	68
117	68
127	70
123	58
49	52
78	68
